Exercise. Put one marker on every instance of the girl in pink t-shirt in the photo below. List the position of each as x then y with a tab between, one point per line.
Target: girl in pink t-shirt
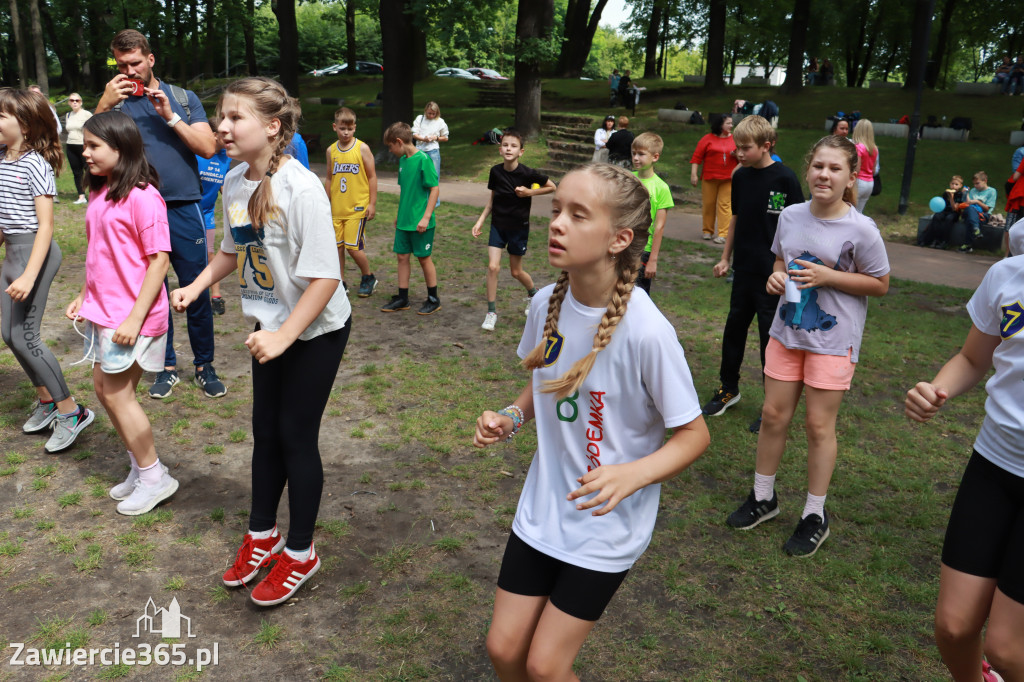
126	333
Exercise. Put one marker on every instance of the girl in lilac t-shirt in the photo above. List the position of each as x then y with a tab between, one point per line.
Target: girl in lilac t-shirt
123	299
828	259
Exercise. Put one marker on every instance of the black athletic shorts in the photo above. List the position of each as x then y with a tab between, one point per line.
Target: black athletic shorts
581	592
514	239
985	535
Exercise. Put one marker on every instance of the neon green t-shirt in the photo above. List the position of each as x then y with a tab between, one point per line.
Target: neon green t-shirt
416	176
661	197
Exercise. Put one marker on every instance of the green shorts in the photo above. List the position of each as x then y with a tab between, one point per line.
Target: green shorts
417	243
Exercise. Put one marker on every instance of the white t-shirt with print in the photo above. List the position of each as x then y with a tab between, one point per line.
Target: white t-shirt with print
639	386
827	321
297	244
428	127
997	309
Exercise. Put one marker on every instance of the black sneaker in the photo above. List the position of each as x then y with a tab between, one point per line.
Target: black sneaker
721	402
808	536
206	379
430	306
163	384
755	426
397	303
754	511
366	285
217	303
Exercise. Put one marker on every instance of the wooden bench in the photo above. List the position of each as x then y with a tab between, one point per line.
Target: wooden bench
991	238
963	88
949	134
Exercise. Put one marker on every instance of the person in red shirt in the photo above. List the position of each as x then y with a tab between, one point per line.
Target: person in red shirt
716	152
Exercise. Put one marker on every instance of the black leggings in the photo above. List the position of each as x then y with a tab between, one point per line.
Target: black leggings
77	164
289	397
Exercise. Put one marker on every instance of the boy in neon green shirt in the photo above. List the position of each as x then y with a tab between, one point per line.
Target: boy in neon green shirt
646	152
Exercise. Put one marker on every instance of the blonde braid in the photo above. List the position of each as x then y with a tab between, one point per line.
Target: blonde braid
571	381
535	359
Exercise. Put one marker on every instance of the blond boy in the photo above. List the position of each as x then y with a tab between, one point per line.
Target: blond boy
646	150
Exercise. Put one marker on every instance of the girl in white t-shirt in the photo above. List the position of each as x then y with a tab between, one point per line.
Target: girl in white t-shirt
123	298
828	259
982	575
428	130
602	402
280	236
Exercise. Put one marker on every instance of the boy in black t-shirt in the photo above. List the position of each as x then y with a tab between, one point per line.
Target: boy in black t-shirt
512	185
761	188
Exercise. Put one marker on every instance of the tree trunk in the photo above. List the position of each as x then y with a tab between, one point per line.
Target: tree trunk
920	31
195	47
419	63
876	29
651	44
942	43
350	35
797	46
397	43
211	45
716	46
249	33
533	29
39	47
69	71
854	48
288	32
578	39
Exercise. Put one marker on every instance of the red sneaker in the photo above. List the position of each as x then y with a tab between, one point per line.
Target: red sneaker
252	556
285	579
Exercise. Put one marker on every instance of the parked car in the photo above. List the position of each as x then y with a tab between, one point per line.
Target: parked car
365	68
369	68
486	74
452	72
329	70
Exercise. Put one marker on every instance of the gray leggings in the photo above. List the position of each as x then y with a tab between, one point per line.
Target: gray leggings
20	321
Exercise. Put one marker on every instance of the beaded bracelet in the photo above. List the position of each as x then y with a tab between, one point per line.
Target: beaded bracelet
515	413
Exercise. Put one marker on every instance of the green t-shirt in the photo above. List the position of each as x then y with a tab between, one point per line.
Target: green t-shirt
416	176
661	197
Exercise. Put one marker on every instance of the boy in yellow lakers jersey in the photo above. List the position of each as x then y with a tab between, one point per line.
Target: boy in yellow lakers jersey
352	187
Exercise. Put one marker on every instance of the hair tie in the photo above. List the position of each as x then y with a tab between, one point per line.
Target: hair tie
270	174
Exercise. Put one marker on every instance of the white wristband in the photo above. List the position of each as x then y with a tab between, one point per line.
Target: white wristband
174	121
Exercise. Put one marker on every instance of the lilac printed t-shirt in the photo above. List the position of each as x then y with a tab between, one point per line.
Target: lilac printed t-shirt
122	236
826	321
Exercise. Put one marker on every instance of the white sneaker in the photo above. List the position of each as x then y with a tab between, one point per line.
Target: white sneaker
122	491
144	497
489	321
80	201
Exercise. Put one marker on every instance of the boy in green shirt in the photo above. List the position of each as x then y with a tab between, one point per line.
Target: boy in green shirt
646	152
414	226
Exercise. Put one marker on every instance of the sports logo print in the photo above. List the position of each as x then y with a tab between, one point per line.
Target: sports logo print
1013	320
552	348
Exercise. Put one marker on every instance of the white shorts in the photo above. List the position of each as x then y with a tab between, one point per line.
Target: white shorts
115	358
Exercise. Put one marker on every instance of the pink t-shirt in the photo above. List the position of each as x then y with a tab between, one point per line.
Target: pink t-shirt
121	237
867	162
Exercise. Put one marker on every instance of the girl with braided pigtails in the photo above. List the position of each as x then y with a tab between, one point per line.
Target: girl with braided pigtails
280	236
602	401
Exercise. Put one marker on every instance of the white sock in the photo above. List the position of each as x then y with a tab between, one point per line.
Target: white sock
263	534
135	462
299	554
151	475
764	487
815	505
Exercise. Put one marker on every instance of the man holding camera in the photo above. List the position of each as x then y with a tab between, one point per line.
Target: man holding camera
174	129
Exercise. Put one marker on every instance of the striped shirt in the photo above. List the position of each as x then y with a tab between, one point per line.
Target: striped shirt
21	181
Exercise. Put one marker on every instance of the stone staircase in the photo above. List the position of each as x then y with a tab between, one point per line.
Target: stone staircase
494	94
570	142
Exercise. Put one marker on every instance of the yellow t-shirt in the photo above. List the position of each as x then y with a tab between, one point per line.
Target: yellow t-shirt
350	188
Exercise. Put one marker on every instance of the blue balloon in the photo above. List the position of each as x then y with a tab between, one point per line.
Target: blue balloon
936	204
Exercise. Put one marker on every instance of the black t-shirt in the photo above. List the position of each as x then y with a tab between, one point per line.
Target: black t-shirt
758	197
509	212
620	144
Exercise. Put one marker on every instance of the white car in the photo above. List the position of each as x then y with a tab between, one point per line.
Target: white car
452	72
330	70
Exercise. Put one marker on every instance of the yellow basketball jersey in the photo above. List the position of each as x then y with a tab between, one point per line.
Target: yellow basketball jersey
350	188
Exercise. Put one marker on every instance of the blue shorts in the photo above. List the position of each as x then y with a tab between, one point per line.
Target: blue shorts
514	240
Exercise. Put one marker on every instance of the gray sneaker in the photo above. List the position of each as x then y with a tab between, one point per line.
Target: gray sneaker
122	491
42	415
144	497
66	429
163	384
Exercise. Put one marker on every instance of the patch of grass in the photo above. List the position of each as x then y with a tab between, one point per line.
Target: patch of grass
22	512
40	484
448	544
349	591
92	560
45	525
365	478
217	515
114	672
15	458
394	559
65	543
179	427
213	449
209	424
97	617
268	636
219	594
45	471
175	584
335	527
69	500
11	548
340	673
81	455
238	435
150	519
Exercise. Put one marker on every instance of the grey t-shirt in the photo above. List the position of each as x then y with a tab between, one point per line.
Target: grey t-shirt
826	321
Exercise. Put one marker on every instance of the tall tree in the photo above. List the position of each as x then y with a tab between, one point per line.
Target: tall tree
533	33
716	46
289	36
249	35
942	43
396	33
651	42
19	44
578	36
38	46
920	32
350	35
797	46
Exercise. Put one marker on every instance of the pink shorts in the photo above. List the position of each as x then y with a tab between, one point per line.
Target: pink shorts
828	372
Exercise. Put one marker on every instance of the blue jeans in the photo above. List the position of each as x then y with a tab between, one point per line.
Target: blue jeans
435	156
974	217
188	258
